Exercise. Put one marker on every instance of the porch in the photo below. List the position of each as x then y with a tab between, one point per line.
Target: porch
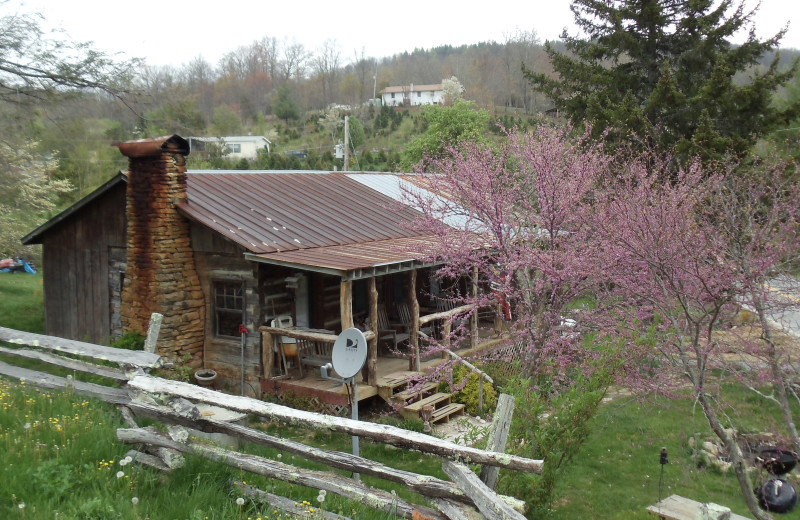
393	376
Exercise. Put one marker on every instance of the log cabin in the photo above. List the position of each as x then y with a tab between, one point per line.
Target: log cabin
247	267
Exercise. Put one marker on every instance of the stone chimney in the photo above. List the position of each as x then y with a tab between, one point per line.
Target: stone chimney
161	275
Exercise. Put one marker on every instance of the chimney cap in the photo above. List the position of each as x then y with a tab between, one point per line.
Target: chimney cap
154	146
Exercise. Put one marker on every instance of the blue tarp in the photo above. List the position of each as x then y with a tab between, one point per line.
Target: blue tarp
20	267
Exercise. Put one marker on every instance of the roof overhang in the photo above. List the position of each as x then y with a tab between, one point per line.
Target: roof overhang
353	261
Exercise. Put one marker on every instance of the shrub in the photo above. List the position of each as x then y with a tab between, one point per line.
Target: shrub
469	393
130	341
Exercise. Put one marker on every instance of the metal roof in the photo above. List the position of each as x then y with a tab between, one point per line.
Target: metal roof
278	212
354	261
349	224
35	236
232	138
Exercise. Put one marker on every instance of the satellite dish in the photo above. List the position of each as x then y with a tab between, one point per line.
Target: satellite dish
349	352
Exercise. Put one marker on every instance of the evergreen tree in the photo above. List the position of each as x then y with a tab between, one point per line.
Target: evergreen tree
664	73
284	105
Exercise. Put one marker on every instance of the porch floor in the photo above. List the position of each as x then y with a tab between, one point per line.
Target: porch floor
313	385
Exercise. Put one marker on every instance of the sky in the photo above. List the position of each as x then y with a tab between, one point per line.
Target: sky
174	33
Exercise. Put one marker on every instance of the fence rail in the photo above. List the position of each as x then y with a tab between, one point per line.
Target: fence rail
176	403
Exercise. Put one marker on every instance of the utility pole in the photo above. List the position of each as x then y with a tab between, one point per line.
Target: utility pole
346	143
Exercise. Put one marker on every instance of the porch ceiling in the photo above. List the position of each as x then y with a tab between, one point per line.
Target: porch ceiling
353	261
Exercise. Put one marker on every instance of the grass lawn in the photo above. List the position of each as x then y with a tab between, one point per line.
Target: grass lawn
21	302
617	473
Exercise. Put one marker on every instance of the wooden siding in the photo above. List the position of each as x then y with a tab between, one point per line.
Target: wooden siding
76	269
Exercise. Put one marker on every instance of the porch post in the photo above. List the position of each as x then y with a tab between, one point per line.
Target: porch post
372	353
473	323
414	363
346	304
267	344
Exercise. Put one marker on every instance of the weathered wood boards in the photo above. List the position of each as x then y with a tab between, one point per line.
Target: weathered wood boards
676	507
122	357
330	482
498	435
48	381
485	499
379	432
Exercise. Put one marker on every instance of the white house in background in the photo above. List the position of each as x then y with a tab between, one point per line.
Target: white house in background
413	95
238	146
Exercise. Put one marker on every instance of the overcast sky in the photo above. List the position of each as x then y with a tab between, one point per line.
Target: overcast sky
173	33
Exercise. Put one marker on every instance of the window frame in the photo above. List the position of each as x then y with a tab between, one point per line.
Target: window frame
234	303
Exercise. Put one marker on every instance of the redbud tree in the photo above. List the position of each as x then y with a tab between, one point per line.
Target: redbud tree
667	260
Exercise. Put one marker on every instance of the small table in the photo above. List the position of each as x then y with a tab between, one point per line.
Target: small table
676	507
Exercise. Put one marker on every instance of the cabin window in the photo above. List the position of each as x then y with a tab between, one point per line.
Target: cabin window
234	148
228	308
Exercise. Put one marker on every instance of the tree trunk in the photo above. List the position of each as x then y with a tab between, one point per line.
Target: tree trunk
777	373
735	455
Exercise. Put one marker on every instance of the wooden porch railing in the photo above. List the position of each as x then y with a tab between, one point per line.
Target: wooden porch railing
270	337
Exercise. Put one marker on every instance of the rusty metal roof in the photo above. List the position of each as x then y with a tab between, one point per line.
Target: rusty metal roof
354	261
270	213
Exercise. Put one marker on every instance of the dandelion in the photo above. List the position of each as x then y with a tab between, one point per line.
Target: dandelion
279	455
120	474
21	505
240	501
135	501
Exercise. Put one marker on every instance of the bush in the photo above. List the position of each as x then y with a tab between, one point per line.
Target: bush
469	392
130	341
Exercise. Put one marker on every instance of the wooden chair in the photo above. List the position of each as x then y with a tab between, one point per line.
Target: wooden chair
313	353
405	317
447	304
386	333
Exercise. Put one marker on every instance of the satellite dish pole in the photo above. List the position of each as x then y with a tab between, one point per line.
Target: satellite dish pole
348	356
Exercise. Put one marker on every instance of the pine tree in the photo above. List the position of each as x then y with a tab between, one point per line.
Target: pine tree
664	73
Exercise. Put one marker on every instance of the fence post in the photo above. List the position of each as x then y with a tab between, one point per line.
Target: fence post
152	332
501	423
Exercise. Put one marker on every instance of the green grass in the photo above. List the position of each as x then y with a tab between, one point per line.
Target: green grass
617	473
59	457
21	301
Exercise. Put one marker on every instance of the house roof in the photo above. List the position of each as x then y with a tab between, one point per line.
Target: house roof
350	224
35	236
233	138
411	88
271	213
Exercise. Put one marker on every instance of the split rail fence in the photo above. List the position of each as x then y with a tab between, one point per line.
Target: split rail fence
175	404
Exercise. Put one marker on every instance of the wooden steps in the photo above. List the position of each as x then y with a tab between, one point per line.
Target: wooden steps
414	393
401	387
